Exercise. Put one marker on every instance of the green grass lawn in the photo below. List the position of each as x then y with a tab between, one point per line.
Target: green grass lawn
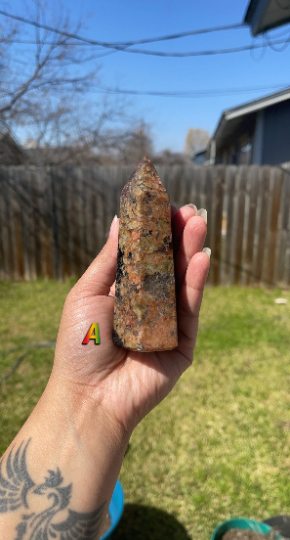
217	447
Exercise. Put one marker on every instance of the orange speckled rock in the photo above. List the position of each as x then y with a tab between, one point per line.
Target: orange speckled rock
145	306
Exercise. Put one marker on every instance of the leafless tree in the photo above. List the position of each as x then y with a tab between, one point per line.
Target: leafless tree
167	157
44	89
134	144
196	139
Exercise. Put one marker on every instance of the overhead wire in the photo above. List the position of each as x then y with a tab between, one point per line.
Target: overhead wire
210	52
186	94
98	89
121	44
182	34
126	46
272	43
262	53
280	49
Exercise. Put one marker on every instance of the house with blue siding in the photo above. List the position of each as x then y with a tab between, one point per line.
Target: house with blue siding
257	132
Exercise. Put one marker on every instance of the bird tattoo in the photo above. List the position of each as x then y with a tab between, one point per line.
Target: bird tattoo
16	486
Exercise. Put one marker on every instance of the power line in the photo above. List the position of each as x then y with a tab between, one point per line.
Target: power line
125	47
120	45
272	43
205	53
185	94
210	52
33	42
98	89
29	42
182	34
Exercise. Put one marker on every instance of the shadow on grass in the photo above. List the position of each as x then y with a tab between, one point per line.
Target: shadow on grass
147	523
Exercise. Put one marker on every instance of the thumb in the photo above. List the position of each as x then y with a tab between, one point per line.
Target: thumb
101	274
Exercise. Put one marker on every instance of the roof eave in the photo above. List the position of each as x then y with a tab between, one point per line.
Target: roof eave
235	114
254	17
254	14
220	126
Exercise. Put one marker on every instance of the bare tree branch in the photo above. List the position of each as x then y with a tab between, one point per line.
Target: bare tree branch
43	89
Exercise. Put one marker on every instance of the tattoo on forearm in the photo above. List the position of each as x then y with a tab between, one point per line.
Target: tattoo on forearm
17	490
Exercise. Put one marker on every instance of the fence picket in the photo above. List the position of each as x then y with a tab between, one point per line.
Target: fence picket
264	180
252	188
17	226
239	236
284	216
229	252
219	182
208	198
275	201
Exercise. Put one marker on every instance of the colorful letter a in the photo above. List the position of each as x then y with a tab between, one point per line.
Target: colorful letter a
93	333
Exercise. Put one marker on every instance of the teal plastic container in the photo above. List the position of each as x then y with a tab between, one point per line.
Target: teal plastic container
242	523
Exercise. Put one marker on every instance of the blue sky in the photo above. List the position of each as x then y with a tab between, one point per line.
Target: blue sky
170	118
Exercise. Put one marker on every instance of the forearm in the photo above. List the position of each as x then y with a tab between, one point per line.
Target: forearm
84	450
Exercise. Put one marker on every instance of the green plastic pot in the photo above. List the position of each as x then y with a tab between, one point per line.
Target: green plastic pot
242	523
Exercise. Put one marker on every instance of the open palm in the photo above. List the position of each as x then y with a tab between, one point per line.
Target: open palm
128	384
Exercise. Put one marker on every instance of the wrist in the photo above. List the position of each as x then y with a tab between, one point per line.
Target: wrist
80	439
71	452
84	420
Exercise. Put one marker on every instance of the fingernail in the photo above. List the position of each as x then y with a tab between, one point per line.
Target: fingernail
207	251
202	213
113	225
192	206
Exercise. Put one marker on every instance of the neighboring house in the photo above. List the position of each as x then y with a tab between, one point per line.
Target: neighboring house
10	152
263	15
257	132
200	157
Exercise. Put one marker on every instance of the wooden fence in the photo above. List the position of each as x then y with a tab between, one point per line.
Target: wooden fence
54	221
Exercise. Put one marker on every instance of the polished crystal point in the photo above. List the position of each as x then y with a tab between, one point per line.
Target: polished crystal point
145	305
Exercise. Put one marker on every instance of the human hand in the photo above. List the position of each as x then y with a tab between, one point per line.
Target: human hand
126	385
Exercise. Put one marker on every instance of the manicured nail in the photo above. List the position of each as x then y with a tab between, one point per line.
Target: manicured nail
113	225
207	251
193	207
202	213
